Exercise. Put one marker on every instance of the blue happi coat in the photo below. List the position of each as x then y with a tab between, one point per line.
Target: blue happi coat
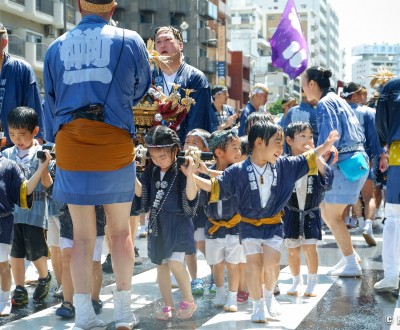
239	181
307	223
170	220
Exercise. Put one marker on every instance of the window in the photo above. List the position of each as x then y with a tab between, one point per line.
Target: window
33	37
146	17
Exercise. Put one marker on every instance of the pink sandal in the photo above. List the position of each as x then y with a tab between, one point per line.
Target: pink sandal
165	313
186	310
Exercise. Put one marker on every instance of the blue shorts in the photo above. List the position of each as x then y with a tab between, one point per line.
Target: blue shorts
344	191
95	188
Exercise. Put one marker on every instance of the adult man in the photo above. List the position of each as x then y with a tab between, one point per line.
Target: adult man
258	97
93	76
168	42
388	128
18	87
225	114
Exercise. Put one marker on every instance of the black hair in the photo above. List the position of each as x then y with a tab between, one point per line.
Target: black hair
349	89
221	139
162	137
177	34
296	128
23	117
244	145
263	130
202	133
320	75
255	117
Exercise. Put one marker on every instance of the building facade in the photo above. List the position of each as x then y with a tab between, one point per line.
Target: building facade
372	57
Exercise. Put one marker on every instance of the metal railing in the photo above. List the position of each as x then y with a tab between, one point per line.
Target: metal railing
16	45
41	50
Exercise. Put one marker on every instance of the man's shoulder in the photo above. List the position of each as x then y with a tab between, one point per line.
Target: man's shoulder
194	71
18	63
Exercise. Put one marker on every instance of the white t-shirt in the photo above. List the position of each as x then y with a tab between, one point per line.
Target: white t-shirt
168	83
264	189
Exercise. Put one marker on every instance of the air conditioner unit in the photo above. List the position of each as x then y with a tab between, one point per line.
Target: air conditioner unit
49	31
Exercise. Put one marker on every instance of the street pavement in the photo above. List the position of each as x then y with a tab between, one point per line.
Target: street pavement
341	303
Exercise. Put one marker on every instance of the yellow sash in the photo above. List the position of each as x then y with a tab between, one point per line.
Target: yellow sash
394	154
277	218
227	224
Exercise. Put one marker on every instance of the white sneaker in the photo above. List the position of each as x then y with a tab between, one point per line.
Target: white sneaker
258	315
231	303
5	303
219	300
387	284
349	270
273	306
368	233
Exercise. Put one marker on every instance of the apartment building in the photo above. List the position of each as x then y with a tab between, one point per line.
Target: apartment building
372	57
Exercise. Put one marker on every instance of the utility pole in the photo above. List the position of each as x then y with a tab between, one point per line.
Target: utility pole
65	16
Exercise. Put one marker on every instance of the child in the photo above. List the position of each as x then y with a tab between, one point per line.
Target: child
15	189
197	138
67	310
172	200
302	218
222	230
262	186
29	225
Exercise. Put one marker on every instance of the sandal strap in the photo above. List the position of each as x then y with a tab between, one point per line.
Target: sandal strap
185	304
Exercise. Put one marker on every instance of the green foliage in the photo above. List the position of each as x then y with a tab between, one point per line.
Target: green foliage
276	107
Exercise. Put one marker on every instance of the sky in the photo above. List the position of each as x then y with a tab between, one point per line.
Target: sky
366	22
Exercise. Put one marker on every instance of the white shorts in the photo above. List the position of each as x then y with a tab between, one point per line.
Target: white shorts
292	243
226	249
5	250
176	256
254	245
199	235
53	233
66	243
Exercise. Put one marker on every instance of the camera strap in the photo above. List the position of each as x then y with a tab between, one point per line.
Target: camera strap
115	70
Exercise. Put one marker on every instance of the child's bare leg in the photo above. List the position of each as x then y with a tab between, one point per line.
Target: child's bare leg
271	259
311	253
191	262
254	263
164	283
68	287
5	274
294	260
242	277
183	279
233	276
18	271
97	280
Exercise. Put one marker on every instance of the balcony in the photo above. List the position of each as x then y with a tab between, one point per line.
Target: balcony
20	2
207	10
16	45
206	65
179	6
148	5
208	37
224	11
33	53
45	6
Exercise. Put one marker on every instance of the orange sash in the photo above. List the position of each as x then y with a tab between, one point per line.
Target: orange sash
87	145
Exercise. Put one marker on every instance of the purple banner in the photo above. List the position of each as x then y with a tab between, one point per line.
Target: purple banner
289	47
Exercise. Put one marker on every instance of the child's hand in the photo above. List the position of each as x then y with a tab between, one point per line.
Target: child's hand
202	167
189	166
332	137
43	163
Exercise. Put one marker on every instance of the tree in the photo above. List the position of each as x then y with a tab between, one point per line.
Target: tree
276	107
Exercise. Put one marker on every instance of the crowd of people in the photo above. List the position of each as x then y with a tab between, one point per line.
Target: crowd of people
272	180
